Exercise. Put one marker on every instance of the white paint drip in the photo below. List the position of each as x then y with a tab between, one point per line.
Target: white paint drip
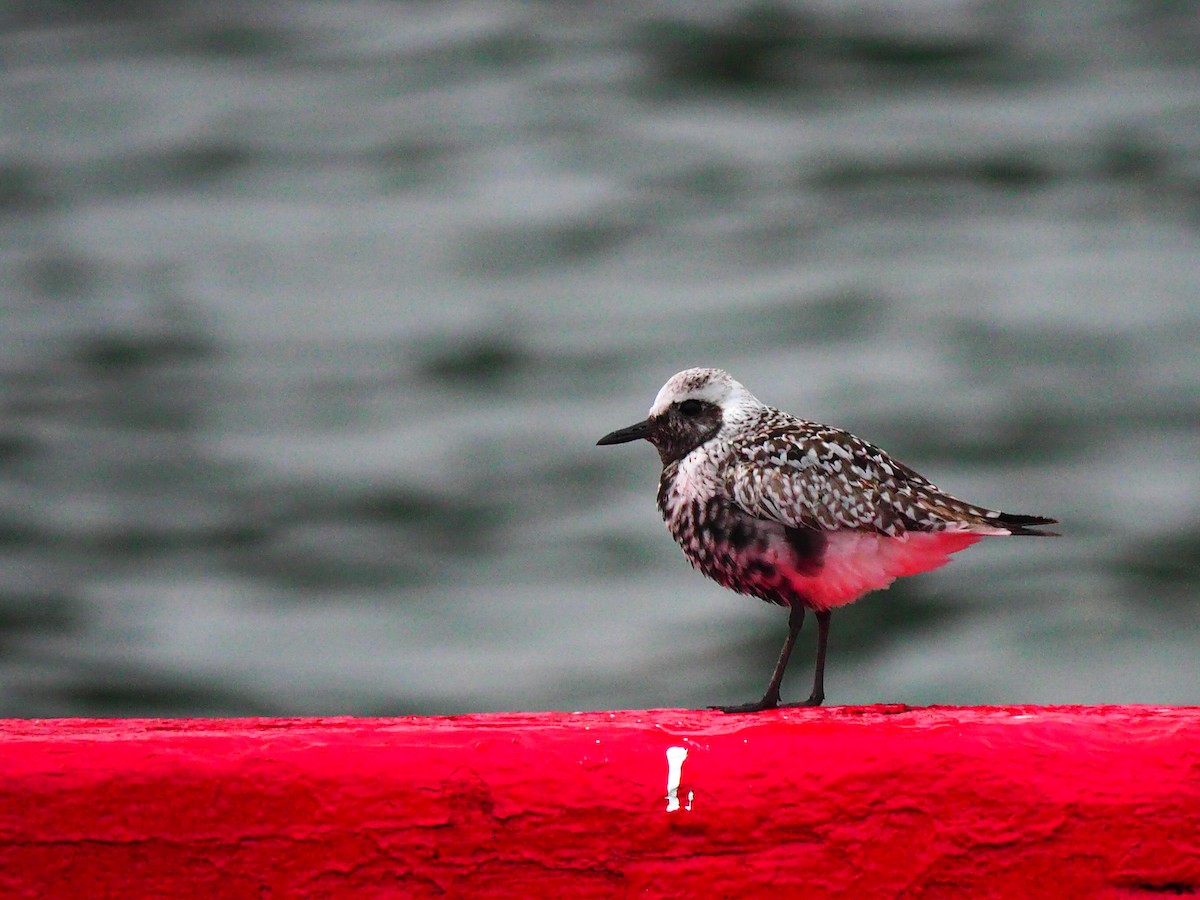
675	758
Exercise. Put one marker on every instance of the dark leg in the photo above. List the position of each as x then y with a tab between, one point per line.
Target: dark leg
818	692
770	699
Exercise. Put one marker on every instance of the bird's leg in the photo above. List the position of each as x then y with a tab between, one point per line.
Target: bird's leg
770	699
818	692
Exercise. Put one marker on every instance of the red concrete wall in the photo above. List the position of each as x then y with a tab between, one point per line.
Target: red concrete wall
846	802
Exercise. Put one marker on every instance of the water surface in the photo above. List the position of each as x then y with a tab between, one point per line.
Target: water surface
311	315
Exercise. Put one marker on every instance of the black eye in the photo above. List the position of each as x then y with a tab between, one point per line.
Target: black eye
691	407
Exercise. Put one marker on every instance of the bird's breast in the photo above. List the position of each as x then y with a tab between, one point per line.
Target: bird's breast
749	555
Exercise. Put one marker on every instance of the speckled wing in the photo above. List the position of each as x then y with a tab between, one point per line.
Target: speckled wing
812	476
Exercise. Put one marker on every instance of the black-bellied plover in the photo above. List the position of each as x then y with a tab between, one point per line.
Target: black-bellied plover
796	513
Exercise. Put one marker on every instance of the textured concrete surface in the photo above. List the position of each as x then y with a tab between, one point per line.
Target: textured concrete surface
853	802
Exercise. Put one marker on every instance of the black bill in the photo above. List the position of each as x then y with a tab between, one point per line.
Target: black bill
637	432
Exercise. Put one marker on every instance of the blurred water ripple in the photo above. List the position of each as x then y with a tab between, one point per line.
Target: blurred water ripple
310	315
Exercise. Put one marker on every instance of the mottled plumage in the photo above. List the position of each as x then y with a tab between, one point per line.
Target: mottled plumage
796	513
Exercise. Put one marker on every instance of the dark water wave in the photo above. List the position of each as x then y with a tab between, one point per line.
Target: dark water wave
311	315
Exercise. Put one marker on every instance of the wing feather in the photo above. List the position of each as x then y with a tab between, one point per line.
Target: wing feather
812	476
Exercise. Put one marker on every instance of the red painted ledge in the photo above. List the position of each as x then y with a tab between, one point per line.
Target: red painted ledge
849	802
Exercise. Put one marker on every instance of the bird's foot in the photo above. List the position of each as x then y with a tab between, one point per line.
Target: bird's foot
814	700
767	702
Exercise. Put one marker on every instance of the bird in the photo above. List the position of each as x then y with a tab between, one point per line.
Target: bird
794	512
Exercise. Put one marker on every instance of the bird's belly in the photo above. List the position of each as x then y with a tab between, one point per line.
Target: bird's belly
817	568
856	562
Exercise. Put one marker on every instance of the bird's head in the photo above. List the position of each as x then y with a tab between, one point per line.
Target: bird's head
690	410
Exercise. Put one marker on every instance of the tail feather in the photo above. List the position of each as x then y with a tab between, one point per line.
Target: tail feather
1017	524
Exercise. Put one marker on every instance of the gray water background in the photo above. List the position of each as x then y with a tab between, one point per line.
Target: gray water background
311	314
